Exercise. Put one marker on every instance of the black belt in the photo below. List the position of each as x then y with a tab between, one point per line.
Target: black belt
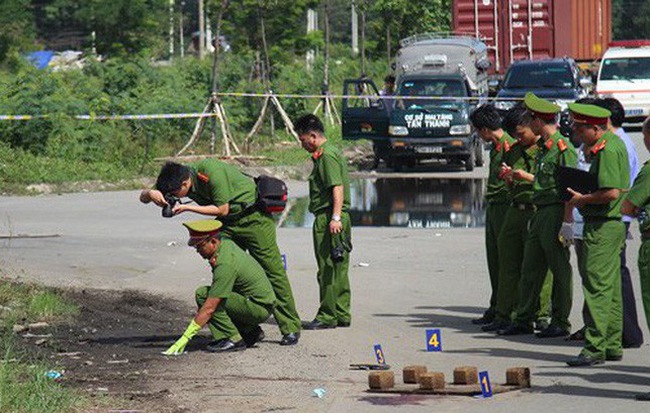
523	206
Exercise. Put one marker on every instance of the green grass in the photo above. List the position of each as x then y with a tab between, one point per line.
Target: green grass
24	386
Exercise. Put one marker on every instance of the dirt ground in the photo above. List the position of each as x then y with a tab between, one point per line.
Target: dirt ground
113	346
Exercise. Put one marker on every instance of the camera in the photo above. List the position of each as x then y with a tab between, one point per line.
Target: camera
167	209
340	245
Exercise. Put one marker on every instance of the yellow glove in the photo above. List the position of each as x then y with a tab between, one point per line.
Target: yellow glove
179	346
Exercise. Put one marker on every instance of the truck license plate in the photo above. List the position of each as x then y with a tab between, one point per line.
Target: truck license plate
634	112
429	149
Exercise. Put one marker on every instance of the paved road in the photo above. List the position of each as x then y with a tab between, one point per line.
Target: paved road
416	279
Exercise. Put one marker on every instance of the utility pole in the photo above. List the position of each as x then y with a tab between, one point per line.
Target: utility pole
180	31
355	31
171	29
201	31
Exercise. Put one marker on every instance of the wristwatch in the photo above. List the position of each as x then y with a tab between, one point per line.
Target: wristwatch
336	218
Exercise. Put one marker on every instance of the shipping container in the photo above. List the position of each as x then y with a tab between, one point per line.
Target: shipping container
536	29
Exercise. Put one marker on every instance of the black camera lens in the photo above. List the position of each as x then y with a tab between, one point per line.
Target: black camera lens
167	210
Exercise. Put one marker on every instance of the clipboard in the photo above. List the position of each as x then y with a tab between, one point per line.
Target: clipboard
576	179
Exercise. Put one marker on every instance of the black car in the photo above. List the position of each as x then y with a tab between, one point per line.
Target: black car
557	80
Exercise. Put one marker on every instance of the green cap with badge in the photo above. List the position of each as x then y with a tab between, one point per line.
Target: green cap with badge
202	230
541	108
589	114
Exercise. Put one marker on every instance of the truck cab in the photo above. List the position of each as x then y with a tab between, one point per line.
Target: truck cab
439	82
624	74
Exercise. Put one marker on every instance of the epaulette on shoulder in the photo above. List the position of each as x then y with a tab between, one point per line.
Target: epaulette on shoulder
562	146
203	177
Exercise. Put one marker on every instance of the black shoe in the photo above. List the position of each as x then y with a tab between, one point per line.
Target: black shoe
577	336
495	326
541	324
584	361
552	331
515	330
226	345
614	357
343	324
632	345
253	337
290	339
317	325
485	319
644	397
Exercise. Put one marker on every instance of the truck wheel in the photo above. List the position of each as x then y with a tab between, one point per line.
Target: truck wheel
480	159
469	162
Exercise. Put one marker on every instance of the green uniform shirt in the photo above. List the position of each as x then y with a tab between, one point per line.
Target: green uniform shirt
330	169
518	157
609	162
639	195
555	151
217	183
235	271
496	188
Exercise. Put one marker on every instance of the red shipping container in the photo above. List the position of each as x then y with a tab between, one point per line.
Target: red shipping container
536	29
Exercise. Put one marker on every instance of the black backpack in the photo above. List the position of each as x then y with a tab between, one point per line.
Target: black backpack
271	194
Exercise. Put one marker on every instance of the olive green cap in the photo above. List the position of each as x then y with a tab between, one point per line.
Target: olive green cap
202	230
589	114
541	107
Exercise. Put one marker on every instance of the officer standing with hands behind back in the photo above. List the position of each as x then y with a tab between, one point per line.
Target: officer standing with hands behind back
223	192
329	201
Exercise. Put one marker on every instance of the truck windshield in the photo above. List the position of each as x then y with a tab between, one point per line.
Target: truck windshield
538	76
628	68
439	88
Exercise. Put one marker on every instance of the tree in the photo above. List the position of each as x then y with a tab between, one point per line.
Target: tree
17	30
631	19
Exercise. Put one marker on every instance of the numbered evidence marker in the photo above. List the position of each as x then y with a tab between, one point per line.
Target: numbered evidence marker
434	340
484	380
380	354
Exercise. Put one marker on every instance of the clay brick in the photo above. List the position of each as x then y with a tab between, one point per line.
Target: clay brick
433	380
518	376
466	375
381	379
411	374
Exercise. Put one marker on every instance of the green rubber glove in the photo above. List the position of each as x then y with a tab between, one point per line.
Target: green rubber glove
179	346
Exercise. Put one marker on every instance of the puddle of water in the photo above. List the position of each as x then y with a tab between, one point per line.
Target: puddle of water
408	202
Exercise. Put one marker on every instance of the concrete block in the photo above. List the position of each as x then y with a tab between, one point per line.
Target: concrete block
381	380
411	374
466	375
431	381
518	376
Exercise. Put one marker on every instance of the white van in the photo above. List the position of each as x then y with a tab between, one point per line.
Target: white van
624	74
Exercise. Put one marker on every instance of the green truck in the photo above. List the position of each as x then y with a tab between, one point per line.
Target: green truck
440	80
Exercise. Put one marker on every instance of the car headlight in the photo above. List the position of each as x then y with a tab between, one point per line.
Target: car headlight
398	130
504	104
460	130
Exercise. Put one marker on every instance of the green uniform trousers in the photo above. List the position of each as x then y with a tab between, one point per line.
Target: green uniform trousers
601	263
511	242
333	281
494	218
235	315
644	275
256	234
543	251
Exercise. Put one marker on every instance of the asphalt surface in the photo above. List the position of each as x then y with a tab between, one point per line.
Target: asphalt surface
403	281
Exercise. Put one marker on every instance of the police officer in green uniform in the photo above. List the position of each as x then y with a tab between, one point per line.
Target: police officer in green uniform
543	250
637	204
487	122
603	235
222	191
239	299
329	201
518	171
